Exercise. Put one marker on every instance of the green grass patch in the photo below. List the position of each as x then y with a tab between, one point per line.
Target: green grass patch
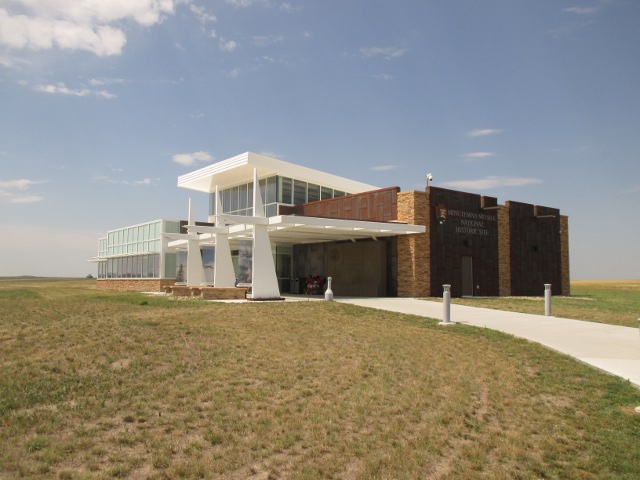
96	385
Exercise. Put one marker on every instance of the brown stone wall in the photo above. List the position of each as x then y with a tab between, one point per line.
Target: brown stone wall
469	233
414	251
375	206
535	249
135	284
504	252
564	247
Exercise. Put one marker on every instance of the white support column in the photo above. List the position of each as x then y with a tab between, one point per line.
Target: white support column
223	274
264	280
195	270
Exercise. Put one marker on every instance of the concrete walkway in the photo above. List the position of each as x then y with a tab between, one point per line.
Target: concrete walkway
610	348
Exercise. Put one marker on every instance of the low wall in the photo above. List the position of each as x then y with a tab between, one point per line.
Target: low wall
209	293
135	284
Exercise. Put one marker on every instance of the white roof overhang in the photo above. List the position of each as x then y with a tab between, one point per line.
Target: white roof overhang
239	169
293	229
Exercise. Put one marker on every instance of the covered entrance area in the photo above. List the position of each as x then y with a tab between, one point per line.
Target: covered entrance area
358	255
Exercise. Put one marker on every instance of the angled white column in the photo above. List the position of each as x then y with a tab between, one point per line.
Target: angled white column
264	279
223	273
195	269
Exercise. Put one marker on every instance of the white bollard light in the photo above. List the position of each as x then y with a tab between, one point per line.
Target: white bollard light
446	305
328	294
547	299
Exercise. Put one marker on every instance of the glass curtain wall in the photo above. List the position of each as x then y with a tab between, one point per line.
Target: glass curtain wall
275	190
134	252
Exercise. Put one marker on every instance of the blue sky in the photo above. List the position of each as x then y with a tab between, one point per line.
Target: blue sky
105	103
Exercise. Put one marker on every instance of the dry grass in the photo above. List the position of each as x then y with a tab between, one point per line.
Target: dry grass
102	385
616	302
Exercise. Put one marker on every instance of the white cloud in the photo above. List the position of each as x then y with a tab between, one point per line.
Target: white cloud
201	14
483	132
26	199
100	82
89	25
132	183
246	3
383	76
9	61
8	188
388	53
477	155
21	184
582	10
383	168
62	89
492	182
227	46
189	159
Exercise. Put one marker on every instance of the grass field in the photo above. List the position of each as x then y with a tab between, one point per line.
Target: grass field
98	384
607	301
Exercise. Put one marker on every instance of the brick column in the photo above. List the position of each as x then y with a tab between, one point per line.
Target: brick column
504	252
564	253
414	251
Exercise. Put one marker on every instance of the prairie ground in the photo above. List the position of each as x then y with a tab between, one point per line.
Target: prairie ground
97	384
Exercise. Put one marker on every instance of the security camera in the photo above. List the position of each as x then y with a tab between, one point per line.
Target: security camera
429	177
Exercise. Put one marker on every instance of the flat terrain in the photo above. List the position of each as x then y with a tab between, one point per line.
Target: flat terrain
616	302
99	384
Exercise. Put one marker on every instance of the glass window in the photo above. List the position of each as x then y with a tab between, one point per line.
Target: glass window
313	193
234	199
325	193
226	200
299	192
242	200
285	190
245	261
338	193
271	190
271	210
263	186
250	194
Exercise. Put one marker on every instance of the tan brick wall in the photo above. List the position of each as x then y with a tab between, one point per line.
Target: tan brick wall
504	252
414	251
135	284
564	252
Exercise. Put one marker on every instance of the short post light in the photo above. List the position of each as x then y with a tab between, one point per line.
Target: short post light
547	299
328	294
446	305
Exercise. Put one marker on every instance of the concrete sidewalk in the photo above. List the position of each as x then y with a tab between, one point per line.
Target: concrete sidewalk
610	348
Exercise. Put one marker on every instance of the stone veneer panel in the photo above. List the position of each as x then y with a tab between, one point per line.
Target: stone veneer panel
135	284
374	206
564	249
414	251
504	252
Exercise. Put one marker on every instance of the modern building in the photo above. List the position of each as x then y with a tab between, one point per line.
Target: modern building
272	224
